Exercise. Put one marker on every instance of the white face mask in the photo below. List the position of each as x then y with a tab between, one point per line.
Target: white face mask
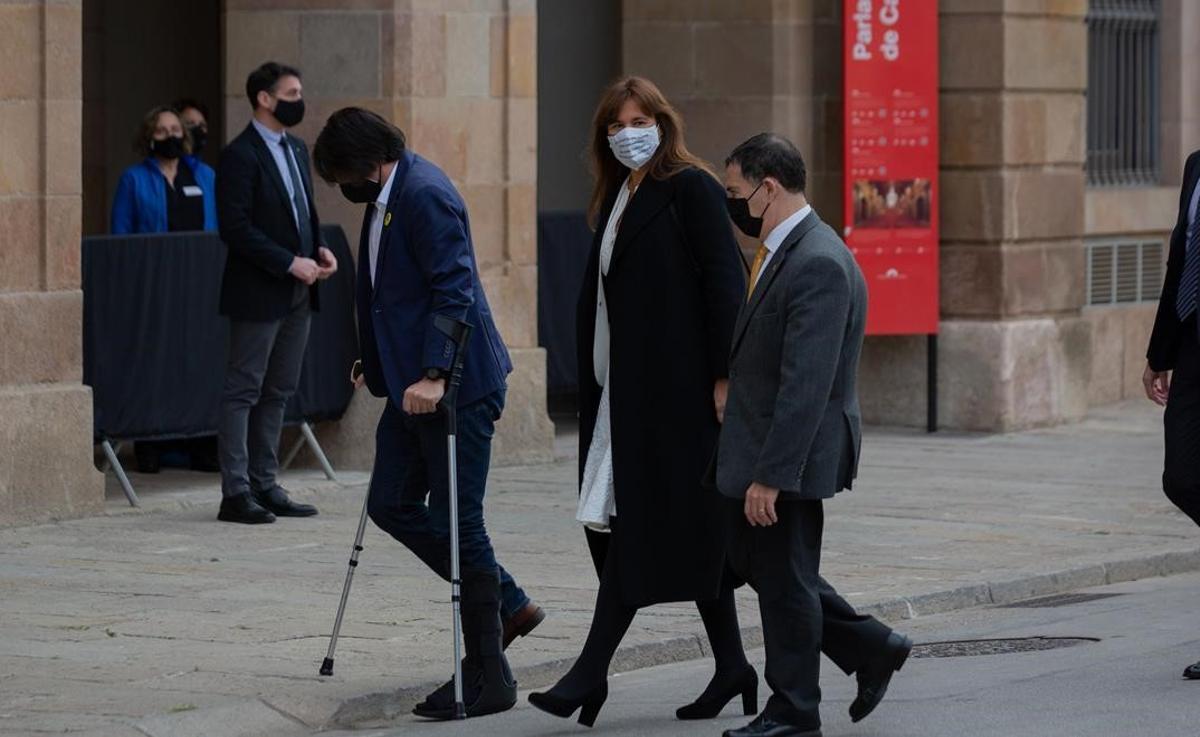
633	147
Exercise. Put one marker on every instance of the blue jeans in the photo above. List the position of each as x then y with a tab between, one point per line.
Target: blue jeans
409	494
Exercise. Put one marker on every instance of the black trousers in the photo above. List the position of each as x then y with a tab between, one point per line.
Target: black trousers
802	614
1181	421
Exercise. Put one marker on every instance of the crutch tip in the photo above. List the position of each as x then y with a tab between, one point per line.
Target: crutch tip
327	667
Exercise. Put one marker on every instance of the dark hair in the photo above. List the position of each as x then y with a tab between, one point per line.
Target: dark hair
353	143
266	79
184	103
145	134
671	157
771	155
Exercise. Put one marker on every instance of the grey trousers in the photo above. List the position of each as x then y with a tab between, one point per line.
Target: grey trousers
265	359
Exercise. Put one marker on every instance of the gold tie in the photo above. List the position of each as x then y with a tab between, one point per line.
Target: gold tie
759	258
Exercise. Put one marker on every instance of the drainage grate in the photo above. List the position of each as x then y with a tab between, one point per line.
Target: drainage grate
968	648
1057	600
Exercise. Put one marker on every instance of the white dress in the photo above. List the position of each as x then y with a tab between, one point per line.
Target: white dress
597	501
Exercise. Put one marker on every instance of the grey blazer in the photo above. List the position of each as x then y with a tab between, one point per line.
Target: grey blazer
792	419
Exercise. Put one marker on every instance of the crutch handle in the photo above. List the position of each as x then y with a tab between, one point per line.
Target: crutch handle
459	333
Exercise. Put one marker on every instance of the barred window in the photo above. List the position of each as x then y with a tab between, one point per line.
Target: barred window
1123	92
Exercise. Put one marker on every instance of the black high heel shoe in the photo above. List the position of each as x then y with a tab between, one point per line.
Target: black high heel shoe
709	706
589	705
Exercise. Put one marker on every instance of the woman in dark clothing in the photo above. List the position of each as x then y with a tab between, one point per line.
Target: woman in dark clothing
663	287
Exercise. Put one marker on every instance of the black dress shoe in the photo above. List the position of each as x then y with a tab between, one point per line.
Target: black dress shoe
1192	673
242	508
765	726
873	678
277	501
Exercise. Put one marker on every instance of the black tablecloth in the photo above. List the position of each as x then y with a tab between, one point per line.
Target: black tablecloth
564	241
154	347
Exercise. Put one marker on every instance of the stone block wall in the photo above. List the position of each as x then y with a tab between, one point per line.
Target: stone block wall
46	469
459	78
1014	350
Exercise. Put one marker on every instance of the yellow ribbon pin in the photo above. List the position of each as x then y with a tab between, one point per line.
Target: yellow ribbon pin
387	219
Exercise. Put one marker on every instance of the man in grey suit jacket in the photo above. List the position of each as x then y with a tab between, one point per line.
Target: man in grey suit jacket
791	437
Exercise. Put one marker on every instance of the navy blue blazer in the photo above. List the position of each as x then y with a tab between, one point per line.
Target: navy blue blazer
425	267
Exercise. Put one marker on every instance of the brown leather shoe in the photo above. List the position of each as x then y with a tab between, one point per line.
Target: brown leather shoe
524	621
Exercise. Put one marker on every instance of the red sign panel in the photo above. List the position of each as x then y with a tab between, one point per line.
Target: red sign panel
891	147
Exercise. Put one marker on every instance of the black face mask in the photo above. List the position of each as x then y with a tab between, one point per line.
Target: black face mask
168	148
739	213
361	193
289	112
199	138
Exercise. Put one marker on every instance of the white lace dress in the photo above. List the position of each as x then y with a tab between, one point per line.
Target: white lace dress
597	501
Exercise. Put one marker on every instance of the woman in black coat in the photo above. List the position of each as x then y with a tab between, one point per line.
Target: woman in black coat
664	284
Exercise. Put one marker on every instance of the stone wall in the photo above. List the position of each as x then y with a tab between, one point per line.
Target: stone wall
459	78
46	467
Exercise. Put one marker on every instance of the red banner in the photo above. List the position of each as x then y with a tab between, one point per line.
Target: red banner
891	155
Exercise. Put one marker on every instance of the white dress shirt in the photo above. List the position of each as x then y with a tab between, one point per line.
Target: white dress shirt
597	496
1192	211
778	235
275	146
377	217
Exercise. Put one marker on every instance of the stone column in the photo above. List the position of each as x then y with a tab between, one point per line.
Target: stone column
459	78
1015	352
46	469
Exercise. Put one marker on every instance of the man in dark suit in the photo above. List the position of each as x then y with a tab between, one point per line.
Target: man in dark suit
417	262
269	223
1172	376
791	439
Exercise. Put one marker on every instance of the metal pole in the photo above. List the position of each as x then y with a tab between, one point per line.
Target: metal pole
113	461
291	454
327	666
460	711
316	449
932	384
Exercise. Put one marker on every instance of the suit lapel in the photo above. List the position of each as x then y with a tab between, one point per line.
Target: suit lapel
650	198
267	162
768	277
399	178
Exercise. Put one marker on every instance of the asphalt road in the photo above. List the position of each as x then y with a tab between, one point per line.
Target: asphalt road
1128	684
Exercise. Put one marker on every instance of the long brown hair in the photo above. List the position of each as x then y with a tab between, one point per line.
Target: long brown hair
671	157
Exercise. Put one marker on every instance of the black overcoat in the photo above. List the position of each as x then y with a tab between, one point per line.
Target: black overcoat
674	287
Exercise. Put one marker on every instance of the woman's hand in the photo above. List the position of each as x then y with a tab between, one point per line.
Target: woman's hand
720	394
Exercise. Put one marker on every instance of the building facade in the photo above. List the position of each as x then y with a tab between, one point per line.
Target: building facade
1063	137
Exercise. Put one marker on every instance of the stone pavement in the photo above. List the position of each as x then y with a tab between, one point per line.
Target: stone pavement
161	621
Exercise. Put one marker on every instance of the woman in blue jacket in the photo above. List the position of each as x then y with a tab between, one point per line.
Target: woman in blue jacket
170	190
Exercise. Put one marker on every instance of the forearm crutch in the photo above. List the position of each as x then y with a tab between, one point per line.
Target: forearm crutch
327	666
459	333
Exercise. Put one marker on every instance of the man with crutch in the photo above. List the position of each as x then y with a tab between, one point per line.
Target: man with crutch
417	274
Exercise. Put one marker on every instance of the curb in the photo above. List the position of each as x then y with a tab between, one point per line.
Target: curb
383	708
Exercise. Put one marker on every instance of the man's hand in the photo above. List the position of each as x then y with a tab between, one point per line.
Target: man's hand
422	397
1158	385
328	263
305	269
760	505
720	394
